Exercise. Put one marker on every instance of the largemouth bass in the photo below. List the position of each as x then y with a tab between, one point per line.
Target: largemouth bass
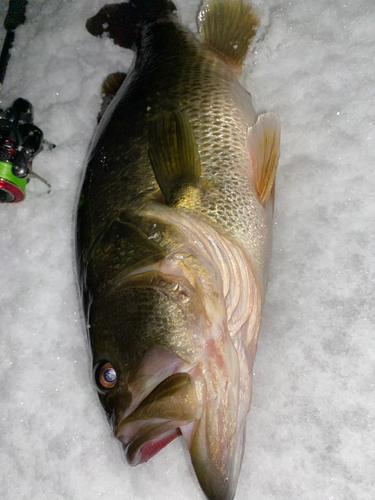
174	235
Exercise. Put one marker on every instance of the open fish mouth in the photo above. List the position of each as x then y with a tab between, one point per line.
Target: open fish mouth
189	403
149	441
158	419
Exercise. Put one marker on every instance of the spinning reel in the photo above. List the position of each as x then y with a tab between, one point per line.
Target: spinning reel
20	139
20	142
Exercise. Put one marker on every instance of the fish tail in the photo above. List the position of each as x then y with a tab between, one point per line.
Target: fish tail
229	27
123	22
152	10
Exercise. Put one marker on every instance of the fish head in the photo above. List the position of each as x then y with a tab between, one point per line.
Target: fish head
164	369
143	350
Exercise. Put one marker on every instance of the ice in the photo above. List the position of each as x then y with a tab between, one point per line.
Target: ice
311	428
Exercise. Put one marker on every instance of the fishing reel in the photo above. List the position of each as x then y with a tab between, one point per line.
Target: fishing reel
20	142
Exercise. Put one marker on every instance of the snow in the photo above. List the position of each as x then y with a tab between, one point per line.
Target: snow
311	428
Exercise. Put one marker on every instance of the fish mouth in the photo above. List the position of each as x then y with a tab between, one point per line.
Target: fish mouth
158	419
144	447
202	405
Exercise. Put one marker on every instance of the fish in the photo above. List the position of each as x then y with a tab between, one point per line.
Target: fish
174	234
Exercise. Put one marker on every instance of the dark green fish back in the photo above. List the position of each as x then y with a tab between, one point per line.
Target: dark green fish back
174	71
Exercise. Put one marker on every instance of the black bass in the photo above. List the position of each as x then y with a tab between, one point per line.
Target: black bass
174	235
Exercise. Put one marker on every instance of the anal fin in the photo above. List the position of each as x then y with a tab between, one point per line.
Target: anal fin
228	26
173	154
263	140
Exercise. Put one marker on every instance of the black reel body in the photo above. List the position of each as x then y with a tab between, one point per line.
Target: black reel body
20	142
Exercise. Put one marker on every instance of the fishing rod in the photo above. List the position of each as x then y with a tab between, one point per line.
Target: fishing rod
20	139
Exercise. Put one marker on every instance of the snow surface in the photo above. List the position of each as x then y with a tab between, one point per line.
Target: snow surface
311	428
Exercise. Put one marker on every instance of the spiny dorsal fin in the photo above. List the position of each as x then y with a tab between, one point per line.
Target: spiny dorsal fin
173	153
228	26
264	144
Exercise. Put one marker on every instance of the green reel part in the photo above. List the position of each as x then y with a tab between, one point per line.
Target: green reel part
12	188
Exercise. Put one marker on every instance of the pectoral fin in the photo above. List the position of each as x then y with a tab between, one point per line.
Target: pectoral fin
264	144
173	153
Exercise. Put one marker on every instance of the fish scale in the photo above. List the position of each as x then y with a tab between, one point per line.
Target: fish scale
219	114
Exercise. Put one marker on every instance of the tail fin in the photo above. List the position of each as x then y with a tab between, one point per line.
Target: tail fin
151	10
123	22
228	26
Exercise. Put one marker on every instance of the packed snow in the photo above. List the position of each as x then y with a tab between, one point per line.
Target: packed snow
311	428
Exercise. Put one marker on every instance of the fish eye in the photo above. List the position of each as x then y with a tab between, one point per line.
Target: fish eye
105	375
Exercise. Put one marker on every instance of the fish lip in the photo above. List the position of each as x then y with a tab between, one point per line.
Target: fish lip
148	441
158	418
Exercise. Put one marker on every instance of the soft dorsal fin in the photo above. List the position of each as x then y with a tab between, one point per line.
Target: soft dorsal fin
112	83
264	143
228	26
173	153
110	86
